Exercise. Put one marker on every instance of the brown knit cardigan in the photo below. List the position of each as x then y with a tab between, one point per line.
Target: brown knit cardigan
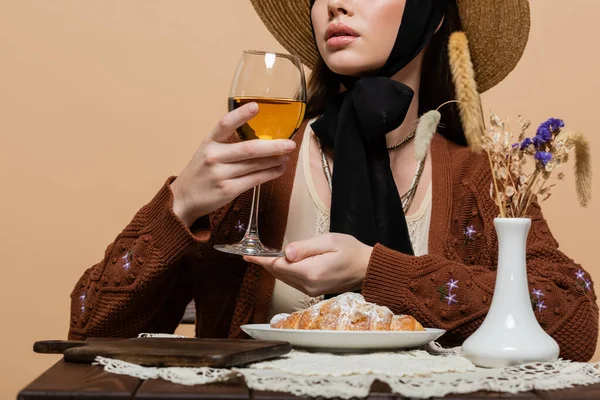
156	266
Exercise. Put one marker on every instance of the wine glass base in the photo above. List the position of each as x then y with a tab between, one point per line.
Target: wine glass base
249	247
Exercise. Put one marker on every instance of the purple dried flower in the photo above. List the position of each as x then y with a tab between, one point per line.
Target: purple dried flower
543	134
547	129
555	124
526	143
588	284
537	293
580	275
543	156
126	266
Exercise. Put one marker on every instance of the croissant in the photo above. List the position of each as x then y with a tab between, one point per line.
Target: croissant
346	312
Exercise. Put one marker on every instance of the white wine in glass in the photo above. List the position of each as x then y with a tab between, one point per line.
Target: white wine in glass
277	84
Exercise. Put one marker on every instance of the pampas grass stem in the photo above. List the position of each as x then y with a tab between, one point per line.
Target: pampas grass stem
583	168
426	129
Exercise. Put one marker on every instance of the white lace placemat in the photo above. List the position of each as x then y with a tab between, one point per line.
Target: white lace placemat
416	373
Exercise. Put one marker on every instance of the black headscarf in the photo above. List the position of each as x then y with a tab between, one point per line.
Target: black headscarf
365	201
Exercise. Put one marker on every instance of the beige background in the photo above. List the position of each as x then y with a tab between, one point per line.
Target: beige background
100	101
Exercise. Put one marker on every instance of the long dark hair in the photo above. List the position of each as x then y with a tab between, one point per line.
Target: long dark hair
436	81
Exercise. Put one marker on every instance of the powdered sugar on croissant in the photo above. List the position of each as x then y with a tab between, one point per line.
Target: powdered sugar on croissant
346	312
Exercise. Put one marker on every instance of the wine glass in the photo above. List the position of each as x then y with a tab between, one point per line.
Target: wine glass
276	82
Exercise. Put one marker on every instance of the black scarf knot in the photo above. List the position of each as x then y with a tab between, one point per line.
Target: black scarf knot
365	202
365	192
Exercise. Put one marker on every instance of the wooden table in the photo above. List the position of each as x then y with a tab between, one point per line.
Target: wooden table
77	381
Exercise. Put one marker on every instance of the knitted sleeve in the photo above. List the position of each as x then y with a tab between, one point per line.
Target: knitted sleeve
141	283
454	291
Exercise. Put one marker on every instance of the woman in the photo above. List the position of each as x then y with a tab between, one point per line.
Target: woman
432	257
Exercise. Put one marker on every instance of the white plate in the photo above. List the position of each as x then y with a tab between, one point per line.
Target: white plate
344	341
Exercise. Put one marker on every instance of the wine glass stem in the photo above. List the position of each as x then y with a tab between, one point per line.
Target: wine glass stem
252	231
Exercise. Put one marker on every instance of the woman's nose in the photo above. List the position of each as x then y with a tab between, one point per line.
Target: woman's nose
340	7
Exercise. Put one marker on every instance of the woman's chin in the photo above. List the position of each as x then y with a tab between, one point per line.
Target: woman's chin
346	62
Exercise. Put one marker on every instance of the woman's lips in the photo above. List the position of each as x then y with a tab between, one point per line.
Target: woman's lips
339	35
340	41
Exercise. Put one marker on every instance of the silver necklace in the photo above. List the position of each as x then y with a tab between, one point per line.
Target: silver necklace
406	199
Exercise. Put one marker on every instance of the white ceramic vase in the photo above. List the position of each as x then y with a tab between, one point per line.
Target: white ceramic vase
510	333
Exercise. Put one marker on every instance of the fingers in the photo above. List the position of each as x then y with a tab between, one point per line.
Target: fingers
298	251
234	170
267	262
253	149
233	120
223	152
241	184
305	276
281	268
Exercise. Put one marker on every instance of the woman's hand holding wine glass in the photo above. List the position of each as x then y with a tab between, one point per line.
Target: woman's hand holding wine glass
266	103
220	171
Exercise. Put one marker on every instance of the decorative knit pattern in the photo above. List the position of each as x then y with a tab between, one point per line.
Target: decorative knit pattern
244	309
470	233
446	292
583	281
172	264
537	300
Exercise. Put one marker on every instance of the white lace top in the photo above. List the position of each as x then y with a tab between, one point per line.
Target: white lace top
309	217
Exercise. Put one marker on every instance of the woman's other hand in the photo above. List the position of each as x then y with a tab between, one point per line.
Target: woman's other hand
331	263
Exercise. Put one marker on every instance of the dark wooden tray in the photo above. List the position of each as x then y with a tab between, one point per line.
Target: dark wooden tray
168	352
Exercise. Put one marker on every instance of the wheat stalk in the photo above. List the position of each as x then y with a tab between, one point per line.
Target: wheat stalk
469	101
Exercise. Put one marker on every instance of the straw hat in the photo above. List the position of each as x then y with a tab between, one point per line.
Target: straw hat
497	30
